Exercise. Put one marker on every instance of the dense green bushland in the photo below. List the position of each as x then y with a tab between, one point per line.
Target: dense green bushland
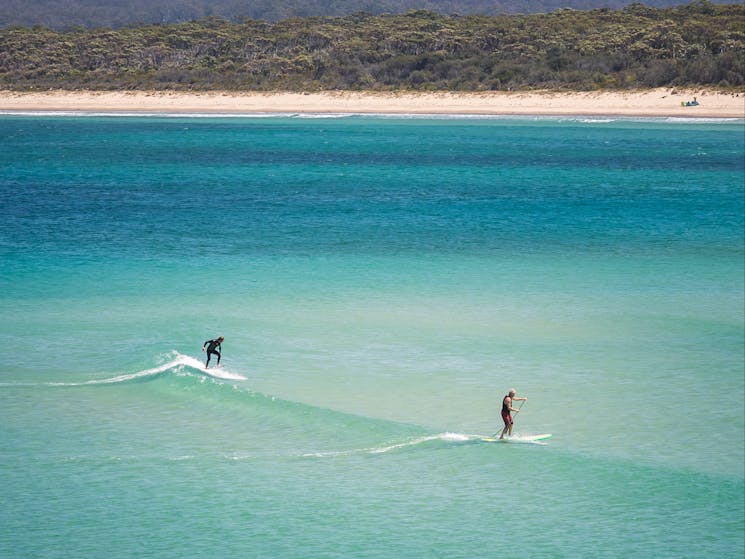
699	44
61	14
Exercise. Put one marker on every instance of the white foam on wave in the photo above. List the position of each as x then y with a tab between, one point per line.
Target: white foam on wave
120	378
177	362
703	120
600	119
525	439
217	372
447	437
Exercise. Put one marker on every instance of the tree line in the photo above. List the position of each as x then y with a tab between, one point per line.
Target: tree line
701	44
62	14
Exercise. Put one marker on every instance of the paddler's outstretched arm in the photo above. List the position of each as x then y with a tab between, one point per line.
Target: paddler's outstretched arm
513	399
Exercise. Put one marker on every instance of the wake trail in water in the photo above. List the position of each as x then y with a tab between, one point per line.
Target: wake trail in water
448	438
445	437
178	363
216	372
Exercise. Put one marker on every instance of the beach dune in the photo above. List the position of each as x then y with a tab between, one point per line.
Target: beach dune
653	102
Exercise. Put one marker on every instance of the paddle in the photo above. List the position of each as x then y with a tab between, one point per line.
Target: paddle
518	409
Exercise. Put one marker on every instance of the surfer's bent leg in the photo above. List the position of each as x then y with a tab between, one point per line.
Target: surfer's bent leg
209	356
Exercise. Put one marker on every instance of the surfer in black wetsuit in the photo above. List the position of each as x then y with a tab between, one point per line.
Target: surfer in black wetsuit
213	347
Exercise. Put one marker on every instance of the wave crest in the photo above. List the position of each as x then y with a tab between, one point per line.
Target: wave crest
176	362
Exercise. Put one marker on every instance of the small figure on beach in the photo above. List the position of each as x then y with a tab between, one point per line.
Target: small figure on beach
693	103
213	347
507	408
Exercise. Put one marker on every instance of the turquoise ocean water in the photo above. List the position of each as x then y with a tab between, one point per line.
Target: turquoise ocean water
381	282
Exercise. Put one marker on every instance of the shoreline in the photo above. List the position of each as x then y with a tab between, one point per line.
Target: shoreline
660	102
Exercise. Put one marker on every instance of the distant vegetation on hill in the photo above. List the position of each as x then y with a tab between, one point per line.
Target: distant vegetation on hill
701	44
61	14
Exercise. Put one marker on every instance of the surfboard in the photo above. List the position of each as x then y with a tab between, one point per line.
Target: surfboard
518	438
217	371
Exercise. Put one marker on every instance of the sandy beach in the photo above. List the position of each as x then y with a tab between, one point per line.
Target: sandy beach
654	102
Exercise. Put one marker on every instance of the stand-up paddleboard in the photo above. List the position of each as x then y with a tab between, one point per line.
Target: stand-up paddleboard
518	438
